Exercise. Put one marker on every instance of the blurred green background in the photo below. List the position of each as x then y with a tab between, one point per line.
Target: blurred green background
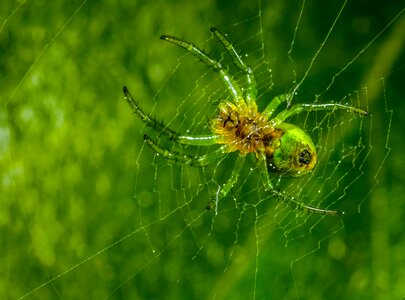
83	201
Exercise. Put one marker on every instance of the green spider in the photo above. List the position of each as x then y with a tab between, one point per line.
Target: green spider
279	147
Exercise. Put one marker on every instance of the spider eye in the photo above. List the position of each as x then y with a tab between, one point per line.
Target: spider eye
305	157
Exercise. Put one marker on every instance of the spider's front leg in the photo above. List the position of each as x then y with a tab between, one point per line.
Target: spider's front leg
251	88
299	108
285	197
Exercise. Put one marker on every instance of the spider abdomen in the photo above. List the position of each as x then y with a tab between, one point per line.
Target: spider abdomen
296	154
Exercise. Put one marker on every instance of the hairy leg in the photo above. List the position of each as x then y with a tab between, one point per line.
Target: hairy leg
229	82
251	89
199	140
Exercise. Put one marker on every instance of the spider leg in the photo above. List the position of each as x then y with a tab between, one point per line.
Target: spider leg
264	173
273	105
225	189
229	82
286	197
302	206
147	119
251	91
195	161
199	140
298	108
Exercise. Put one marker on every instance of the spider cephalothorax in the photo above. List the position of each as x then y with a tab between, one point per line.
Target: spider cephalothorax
244	129
279	147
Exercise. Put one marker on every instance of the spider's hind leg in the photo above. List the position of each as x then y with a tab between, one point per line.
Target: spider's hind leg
285	197
226	188
296	204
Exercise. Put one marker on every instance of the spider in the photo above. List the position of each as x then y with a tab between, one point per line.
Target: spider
279	147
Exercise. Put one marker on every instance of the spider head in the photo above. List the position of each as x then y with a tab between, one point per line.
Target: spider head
294	153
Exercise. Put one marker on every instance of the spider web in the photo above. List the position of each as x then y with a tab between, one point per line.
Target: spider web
87	210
